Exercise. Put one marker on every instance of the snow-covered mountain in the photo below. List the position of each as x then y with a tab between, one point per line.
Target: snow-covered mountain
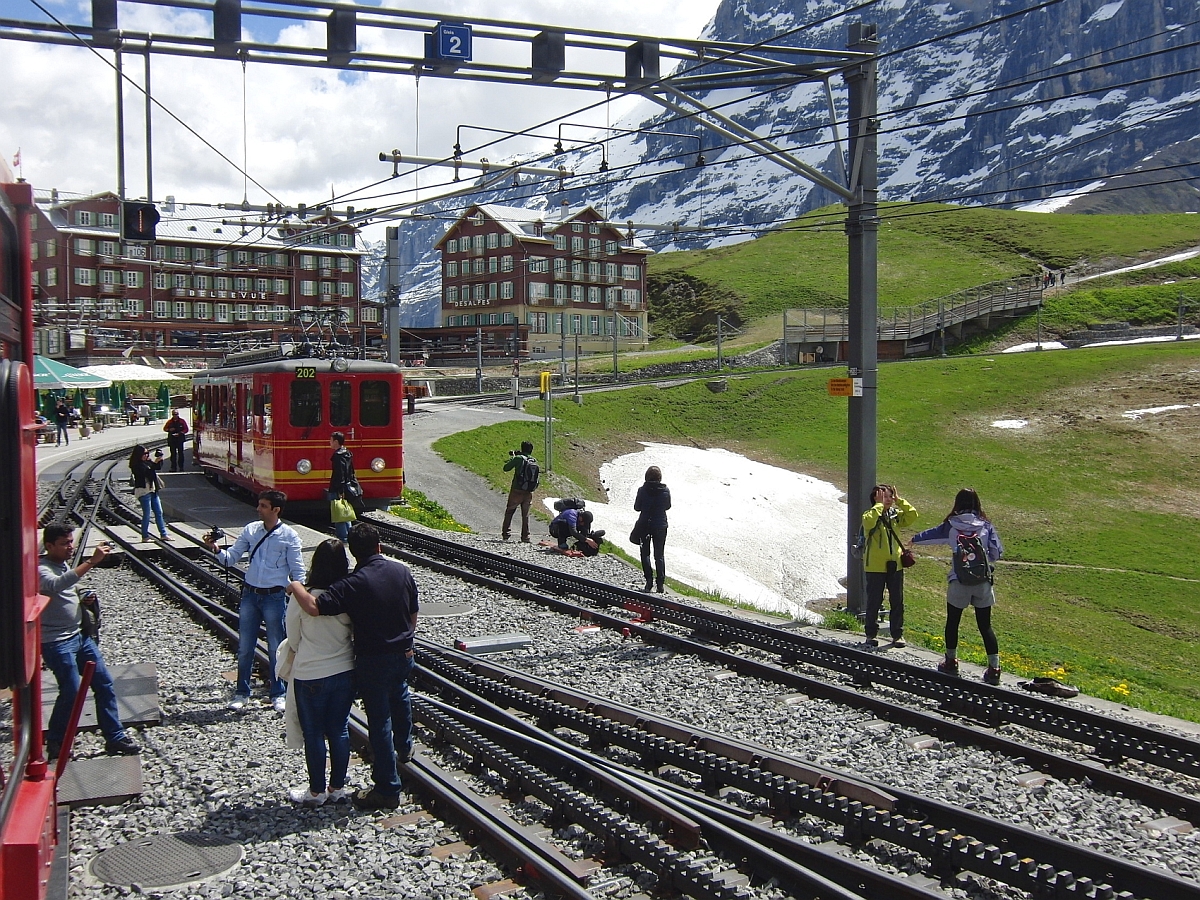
980	102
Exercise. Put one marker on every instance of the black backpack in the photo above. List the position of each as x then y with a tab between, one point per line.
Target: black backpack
971	563
531	474
564	503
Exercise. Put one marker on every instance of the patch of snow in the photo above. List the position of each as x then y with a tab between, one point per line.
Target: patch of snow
1175	257
1025	348
1057	202
1106	12
1149	411
1010	423
1065	58
1146	340
736	524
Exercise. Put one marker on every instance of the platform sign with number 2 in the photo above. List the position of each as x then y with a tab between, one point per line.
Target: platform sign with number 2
454	42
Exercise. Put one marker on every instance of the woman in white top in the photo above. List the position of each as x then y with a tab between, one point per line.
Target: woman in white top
322	678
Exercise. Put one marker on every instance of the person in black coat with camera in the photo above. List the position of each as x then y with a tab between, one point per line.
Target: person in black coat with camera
343	483
652	501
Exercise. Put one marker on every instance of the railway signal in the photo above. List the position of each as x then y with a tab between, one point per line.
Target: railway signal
138	221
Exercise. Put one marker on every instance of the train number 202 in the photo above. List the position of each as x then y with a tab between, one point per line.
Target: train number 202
306	372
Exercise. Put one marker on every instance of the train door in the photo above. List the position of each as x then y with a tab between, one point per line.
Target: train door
241	399
341	407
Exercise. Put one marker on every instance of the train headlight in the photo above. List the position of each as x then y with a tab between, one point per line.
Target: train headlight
340	364
304	467
377	464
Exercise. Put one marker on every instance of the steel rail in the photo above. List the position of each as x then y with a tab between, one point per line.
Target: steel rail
953	839
1111	739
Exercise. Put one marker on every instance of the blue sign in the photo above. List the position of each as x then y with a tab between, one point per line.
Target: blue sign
453	42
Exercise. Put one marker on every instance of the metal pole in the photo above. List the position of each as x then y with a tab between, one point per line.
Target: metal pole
1039	324
516	375
120	128
720	362
578	399
1179	319
548	423
562	356
614	321
479	360
862	227
149	143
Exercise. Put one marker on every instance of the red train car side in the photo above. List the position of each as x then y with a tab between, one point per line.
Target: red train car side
267	424
28	821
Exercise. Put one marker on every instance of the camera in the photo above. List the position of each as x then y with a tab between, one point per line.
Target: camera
88	597
158	452
512	453
215	534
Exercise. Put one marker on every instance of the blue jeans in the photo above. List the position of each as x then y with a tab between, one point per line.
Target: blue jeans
342	530
254	609
383	685
63	434
323	705
65	658
151	502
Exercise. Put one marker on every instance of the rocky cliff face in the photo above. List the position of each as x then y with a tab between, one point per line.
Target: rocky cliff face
979	104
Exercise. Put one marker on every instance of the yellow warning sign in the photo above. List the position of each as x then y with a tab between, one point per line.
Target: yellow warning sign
845	387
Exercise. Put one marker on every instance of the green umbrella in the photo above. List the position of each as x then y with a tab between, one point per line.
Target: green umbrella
50	374
164	397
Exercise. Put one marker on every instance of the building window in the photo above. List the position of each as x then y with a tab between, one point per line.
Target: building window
560	242
52	277
200	255
632	296
594	270
262	313
133	279
593	295
629	273
493	241
577	269
611	296
242	257
133	306
108	248
160	281
108	220
222	283
35	278
493	290
593	246
345	240
345	264
576	245
162	309
506	290
83	217
85	276
506	264
181	310
493	265
326	262
477	219
370	314
577	293
223	312
52	247
262	285
560	294
242	312
610	271
577	227
608	325
476	267
281	313
477	292
506	240
181	281
452	245
593	228
179	254
451	321
576	324
326	289
451	294
160	252
537	292
610	247
203	310
84	247
308	289
538	264
307	261
452	269
560	266
477	243
241	284
281	286
345	289
593	325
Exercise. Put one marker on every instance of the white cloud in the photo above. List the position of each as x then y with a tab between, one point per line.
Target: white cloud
307	128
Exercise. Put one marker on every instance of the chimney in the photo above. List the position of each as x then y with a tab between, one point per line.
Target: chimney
54	196
563	209
170	204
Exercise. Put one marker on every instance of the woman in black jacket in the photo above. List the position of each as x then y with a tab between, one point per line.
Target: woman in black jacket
343	483
653	500
145	487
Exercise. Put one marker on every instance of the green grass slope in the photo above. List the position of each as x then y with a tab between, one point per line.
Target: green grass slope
1097	511
925	251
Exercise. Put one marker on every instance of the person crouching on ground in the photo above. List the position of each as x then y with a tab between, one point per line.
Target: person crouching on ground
968	519
380	597
66	649
881	524
322	682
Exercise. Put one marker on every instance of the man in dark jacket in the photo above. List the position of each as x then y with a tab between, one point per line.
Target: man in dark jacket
176	429
653	500
343	483
519	495
62	421
380	597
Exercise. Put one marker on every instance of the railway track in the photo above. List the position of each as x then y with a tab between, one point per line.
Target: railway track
644	787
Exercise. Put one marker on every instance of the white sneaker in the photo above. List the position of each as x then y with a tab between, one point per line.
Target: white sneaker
341	795
305	797
279	704
238	703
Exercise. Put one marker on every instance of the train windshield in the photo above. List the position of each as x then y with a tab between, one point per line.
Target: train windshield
306	404
375	403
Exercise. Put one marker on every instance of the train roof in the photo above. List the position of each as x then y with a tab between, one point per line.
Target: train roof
289	366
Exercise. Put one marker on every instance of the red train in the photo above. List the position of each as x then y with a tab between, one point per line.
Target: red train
28	822
265	422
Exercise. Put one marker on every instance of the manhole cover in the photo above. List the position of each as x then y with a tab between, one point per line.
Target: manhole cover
437	609
167	861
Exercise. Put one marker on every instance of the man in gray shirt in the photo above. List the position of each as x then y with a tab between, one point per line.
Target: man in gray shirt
66	649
